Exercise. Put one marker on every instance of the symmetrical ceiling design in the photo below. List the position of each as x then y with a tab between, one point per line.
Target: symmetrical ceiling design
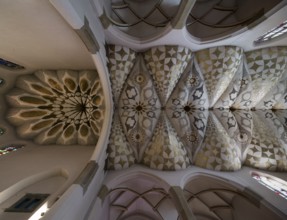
141	20
209	20
145	197
214	108
58	107
125	202
205	21
140	196
212	198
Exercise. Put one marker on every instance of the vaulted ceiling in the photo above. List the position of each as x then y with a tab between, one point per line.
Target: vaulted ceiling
218	108
190	102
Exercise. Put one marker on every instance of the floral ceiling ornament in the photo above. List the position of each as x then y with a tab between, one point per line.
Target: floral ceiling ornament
58	107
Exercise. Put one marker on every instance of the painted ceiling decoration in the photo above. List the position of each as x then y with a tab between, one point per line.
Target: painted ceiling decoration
219	108
58	107
121	60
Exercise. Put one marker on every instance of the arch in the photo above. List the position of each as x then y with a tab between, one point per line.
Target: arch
136	175
218	198
24	183
138	194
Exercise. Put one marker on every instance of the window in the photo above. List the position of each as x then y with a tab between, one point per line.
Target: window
10	65
2	81
275	184
28	203
274	33
9	148
2	131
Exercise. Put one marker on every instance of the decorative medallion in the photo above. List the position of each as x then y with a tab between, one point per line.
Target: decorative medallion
58	107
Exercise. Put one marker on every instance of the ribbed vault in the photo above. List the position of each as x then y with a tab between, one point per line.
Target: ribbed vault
218	108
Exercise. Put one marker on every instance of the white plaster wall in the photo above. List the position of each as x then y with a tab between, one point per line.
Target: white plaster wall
75	11
36	36
49	185
31	160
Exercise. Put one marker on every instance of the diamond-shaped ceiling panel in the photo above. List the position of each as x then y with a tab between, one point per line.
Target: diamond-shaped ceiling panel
218	67
177	109
166	64
139	107
120	63
165	151
120	153
266	68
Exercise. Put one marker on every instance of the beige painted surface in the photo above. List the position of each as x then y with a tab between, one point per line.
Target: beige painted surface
34	34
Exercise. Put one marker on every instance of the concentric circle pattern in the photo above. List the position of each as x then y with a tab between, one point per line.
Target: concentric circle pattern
58	107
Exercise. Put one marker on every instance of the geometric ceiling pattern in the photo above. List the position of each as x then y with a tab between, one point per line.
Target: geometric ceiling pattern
58	107
218	108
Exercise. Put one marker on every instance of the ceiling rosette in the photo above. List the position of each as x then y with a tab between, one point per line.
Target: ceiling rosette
58	107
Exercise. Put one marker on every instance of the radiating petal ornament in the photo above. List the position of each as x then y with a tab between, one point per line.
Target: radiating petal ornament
58	107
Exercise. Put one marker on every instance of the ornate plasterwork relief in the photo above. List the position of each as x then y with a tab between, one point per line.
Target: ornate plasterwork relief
178	108
58	107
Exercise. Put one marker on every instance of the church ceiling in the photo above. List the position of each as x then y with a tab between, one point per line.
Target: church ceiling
205	21
141	20
218	108
214	19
